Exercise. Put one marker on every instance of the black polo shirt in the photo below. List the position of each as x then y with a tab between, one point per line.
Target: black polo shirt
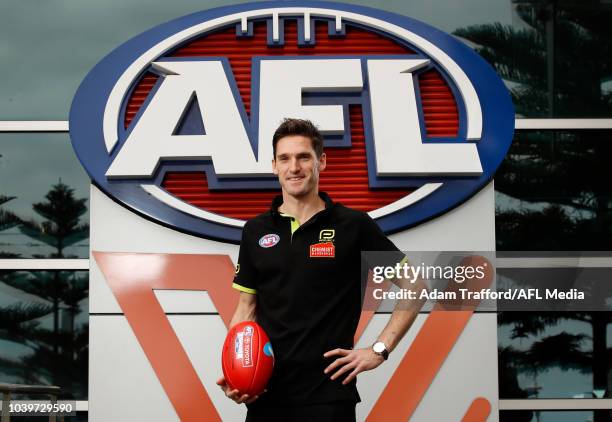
307	279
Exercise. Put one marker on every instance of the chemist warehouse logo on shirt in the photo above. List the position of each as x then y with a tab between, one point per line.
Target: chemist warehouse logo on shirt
176	124
325	248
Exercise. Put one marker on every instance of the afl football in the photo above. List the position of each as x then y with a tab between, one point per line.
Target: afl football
247	358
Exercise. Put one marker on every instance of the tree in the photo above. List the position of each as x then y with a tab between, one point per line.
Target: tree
61	213
555	65
564	350
8	219
60	228
59	355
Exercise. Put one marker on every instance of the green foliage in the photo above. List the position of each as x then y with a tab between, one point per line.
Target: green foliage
563	350
18	322
8	219
566	176
61	227
58	355
554	65
581	57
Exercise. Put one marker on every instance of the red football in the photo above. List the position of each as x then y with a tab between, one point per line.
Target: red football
247	358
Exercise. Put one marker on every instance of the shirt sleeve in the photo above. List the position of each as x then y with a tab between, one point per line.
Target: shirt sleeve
245	278
376	246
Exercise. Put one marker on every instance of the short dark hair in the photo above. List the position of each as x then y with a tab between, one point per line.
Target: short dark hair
306	128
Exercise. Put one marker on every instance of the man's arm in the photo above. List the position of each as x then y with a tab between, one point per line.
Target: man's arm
404	314
245	311
402	318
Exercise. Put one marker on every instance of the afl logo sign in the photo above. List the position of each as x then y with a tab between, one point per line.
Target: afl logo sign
177	123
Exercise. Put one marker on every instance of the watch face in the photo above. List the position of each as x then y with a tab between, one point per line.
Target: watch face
379	347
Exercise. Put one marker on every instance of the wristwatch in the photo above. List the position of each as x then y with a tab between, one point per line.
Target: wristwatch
380	349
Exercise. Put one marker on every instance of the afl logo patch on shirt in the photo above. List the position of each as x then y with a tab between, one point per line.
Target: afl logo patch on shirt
269	240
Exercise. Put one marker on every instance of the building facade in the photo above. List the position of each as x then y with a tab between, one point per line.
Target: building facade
551	192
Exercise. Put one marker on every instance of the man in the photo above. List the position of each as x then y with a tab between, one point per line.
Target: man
299	274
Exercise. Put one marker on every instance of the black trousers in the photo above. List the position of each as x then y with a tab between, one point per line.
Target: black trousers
328	412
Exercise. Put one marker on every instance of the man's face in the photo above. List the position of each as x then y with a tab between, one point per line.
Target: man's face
297	166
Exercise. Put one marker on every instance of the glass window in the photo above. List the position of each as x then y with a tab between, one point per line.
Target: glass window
44	329
555	416
48	47
44	198
553	355
555	56
553	192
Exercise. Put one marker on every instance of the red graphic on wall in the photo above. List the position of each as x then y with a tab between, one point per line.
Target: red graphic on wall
133	277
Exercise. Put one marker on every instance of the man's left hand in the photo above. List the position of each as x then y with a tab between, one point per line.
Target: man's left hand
356	361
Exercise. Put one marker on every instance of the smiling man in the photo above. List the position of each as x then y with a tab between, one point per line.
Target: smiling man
299	272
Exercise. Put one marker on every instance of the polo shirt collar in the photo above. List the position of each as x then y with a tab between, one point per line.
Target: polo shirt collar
278	201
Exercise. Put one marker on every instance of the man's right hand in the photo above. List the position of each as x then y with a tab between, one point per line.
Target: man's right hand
235	394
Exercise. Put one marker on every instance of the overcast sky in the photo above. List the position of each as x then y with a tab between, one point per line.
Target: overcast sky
47	47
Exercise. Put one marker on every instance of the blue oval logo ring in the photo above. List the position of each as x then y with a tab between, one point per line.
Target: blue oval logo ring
485	113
